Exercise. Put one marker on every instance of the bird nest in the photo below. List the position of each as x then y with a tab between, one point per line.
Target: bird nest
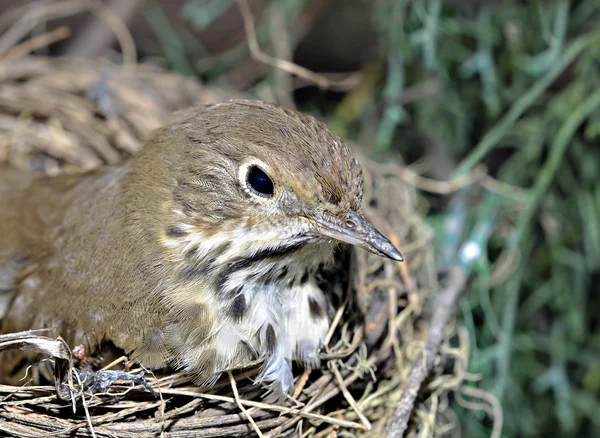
382	364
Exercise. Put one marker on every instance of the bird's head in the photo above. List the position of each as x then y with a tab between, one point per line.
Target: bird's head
280	176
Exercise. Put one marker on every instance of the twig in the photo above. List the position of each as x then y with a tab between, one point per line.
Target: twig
35	43
496	408
283	51
115	362
316	402
34	14
301	383
85	405
348	396
99	34
392	338
334	324
442	187
236	395
259	55
270	407
504	189
23	19
337	81
407	278
444	308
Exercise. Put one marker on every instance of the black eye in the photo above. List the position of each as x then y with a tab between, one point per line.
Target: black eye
259	181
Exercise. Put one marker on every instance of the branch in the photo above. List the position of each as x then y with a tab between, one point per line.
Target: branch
444	309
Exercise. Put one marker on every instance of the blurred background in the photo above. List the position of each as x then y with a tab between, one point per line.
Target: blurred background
493	109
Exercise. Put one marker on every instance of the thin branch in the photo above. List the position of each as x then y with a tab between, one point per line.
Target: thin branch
260	56
85	405
270	407
236	395
110	23
348	396
35	43
444	309
301	382
494	410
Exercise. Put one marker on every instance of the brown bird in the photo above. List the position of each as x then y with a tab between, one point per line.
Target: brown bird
198	253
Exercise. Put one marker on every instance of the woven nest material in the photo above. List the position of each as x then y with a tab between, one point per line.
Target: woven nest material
58	116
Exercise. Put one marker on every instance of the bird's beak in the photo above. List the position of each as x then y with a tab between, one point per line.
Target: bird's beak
356	230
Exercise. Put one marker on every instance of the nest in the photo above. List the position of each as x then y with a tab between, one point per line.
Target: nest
60	117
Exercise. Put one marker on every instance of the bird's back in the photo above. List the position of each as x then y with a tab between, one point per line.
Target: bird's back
71	261
13	184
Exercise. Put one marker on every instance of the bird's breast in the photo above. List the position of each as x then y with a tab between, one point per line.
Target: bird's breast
225	312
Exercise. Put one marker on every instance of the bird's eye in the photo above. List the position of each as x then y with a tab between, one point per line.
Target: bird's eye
259	182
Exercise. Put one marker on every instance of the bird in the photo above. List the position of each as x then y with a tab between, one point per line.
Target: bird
199	253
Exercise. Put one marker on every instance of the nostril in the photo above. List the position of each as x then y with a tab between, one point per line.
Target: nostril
352	221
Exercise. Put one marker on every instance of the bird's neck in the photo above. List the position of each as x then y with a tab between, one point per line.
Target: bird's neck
242	257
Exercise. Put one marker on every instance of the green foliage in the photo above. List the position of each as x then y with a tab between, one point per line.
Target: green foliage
523	76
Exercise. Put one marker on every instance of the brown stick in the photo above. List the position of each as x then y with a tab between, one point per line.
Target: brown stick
108	24
35	43
444	308
287	66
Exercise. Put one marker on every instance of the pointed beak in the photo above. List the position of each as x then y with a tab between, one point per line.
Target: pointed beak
356	230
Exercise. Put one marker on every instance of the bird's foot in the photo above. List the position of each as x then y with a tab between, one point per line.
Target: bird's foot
92	382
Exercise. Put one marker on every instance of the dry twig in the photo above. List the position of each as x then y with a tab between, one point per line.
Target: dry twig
348	396
290	67
236	395
444	308
35	43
